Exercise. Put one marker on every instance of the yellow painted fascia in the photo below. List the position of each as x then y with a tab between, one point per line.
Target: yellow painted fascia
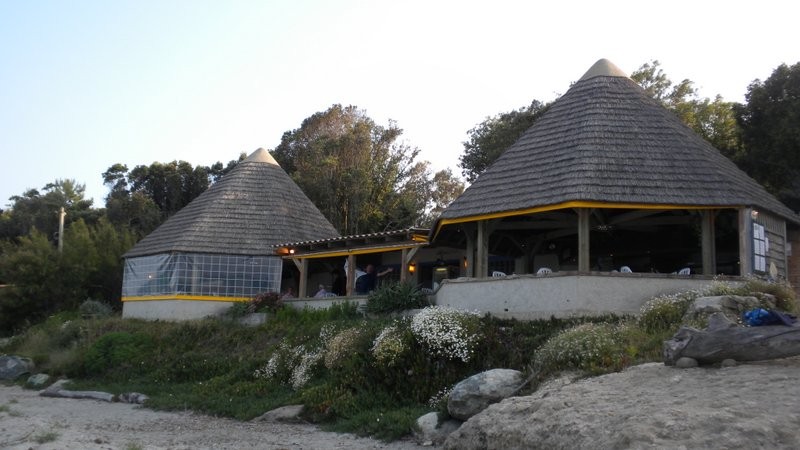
573	204
358	251
202	298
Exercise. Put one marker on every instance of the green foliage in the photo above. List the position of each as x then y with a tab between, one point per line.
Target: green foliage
357	172
394	297
44	282
591	347
94	308
770	124
490	138
665	312
714	120
45	437
785	297
118	350
267	302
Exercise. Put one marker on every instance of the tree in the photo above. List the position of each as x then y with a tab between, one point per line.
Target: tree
490	138
714	120
145	196
446	187
355	171
43	281
34	209
770	124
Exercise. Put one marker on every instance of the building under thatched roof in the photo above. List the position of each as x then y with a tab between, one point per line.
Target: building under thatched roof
608	161
220	247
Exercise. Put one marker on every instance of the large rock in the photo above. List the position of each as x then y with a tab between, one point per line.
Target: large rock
431	430
12	367
474	394
649	406
731	305
38	380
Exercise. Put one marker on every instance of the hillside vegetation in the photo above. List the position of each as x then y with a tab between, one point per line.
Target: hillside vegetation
366	375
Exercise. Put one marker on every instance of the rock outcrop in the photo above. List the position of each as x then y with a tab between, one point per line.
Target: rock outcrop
474	394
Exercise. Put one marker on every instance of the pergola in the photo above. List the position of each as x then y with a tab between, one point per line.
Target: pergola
407	242
609	177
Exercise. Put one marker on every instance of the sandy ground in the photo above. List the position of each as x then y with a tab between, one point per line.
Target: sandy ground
90	424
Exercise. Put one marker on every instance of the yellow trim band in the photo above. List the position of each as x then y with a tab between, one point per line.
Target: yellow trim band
574	204
203	298
362	251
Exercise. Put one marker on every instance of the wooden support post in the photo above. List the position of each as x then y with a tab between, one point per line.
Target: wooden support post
351	273
482	254
403	265
709	249
302	267
745	241
584	216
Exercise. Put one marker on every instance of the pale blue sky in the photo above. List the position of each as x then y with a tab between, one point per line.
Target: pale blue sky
86	84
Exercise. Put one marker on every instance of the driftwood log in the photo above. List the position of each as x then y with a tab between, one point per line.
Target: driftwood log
725	340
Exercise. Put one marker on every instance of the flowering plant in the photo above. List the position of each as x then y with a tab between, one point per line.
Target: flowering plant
447	332
588	346
389	345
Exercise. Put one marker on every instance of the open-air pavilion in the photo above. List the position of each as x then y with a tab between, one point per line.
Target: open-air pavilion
219	249
609	188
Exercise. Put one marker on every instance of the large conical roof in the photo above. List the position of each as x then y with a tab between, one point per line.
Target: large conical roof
606	140
253	207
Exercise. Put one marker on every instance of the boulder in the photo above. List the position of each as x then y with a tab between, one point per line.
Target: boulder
731	305
38	380
284	414
473	395
430	430
686	363
12	367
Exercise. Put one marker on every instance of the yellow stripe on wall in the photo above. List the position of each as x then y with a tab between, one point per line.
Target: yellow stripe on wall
202	298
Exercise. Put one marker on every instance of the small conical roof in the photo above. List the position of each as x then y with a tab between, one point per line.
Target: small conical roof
253	207
607	141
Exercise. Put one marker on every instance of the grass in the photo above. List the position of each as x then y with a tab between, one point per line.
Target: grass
45	437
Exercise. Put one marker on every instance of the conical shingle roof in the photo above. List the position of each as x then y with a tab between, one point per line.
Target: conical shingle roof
253	207
606	140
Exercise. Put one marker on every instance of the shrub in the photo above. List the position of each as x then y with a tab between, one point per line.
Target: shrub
115	350
266	302
665	312
340	346
390	345
592	347
391	297
785	297
94	309
447	332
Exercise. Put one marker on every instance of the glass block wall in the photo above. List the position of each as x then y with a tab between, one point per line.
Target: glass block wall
201	275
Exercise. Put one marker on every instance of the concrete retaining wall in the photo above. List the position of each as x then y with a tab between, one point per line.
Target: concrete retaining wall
173	309
528	297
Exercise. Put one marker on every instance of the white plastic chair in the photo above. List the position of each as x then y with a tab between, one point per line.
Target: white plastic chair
685	271
426	291
625	269
498	274
544	271
329	294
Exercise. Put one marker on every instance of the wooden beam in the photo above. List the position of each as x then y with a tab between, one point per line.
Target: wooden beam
302	292
584	216
482	251
708	243
745	241
403	265
470	255
351	273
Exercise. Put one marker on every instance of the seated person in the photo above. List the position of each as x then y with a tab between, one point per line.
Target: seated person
321	292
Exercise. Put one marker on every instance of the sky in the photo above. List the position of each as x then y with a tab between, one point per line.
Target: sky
87	84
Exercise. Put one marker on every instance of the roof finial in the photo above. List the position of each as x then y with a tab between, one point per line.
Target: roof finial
603	68
261	156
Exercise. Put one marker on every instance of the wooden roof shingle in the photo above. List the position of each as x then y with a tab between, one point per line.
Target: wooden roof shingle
249	210
606	140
